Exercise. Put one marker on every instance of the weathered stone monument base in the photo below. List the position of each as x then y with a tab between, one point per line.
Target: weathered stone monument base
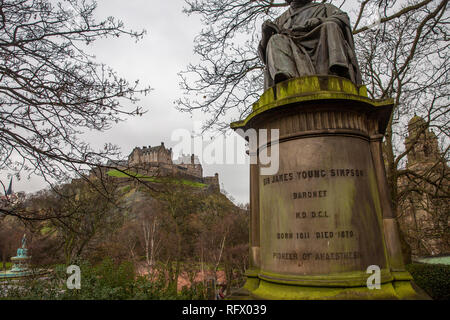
398	288
325	217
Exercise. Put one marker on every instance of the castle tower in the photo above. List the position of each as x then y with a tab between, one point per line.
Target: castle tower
422	142
150	155
425	207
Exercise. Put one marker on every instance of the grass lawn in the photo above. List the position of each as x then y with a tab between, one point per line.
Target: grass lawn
119	174
8	266
436	260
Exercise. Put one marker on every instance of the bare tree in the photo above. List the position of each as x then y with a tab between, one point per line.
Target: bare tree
403	55
228	78
406	58
424	193
149	217
11	232
222	235
150	229
52	90
81	215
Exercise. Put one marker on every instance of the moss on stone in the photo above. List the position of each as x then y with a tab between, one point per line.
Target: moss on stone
339	279
396	290
273	291
251	284
310	88
405	291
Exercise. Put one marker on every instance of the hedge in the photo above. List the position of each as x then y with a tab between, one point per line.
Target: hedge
433	278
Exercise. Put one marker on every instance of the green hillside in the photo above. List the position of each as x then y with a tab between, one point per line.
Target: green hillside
127	174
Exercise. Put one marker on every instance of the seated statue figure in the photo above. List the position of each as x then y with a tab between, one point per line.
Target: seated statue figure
308	39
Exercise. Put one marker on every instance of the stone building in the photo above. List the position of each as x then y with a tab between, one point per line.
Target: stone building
425	151
157	161
190	164
147	155
425	209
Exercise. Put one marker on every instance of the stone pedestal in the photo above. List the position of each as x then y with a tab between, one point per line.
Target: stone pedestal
326	216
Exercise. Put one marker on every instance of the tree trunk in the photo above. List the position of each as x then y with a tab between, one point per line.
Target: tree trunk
4	259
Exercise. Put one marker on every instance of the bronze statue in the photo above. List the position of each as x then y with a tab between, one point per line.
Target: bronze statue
24	241
308	39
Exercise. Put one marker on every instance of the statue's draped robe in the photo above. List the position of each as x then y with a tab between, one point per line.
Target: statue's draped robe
327	49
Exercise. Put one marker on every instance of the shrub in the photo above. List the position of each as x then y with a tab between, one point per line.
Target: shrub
106	281
433	278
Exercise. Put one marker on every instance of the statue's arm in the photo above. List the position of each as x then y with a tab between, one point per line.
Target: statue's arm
310	24
262	52
327	13
268	30
336	15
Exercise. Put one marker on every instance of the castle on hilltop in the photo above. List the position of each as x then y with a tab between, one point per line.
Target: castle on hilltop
157	161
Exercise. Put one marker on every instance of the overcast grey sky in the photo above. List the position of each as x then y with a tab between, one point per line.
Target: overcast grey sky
155	60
